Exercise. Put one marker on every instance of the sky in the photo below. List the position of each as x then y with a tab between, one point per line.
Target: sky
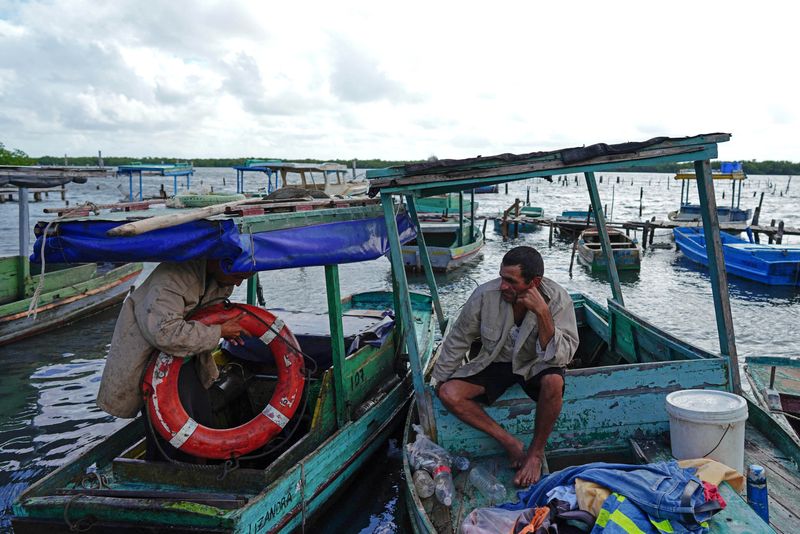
394	80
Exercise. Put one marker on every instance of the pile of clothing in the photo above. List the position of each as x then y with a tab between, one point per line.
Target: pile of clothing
602	498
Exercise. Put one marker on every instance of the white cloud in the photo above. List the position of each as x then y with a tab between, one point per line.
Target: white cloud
362	79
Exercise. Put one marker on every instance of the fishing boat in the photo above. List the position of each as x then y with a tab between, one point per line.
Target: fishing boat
487	189
445	204
615	401
626	252
776	265
527	220
34	300
689	212
572	222
776	385
328	178
357	383
449	244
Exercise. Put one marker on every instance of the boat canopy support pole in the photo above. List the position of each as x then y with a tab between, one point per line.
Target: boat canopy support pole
252	289
422	397
24	270
472	215
460	240
716	265
426	262
597	207
337	343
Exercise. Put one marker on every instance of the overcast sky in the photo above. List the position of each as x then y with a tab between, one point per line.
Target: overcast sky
394	80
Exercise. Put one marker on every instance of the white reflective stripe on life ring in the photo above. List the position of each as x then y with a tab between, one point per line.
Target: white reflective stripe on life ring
275	416
184	433
272	331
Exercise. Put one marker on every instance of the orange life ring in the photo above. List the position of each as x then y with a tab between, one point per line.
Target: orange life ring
169	418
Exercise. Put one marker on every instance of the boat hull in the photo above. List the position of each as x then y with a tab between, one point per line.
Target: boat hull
89	297
443	258
627	255
691	213
141	495
767	264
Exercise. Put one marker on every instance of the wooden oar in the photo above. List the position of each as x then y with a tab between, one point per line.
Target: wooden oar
170	220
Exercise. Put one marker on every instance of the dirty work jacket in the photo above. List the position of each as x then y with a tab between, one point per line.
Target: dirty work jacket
152	317
488	316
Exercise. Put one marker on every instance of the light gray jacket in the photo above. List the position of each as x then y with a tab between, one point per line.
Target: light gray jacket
153	317
488	316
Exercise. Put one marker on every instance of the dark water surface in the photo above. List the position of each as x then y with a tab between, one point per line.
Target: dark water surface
48	384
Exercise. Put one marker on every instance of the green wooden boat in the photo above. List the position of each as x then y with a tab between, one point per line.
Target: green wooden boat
356	394
614	406
528	220
66	292
450	245
626	252
776	387
443	204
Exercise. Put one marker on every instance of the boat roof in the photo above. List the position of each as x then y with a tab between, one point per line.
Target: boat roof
164	169
38	176
249	235
443	176
288	166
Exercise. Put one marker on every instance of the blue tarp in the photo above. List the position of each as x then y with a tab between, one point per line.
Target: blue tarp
324	244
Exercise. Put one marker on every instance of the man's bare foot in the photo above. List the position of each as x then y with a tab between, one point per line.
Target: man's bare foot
516	452
530	472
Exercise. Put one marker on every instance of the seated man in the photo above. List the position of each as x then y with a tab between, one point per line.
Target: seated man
528	332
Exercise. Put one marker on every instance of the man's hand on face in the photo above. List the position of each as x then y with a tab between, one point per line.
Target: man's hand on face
232	331
532	299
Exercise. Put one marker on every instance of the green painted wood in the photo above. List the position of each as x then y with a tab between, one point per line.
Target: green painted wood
406	317
337	343
454	185
601	406
611	263
72	290
716	265
279	221
426	261
778	361
56	279
693	141
9	279
252	286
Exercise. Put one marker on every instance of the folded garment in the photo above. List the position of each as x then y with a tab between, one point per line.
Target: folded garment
712	471
590	496
564	493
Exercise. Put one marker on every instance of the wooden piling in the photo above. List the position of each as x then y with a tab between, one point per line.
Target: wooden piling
641	194
756	215
771	234
653	232
550	238
779	234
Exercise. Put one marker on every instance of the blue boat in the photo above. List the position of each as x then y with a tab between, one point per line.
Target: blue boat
729	170
776	265
573	221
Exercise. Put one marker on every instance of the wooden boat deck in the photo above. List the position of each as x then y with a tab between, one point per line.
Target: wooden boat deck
738	517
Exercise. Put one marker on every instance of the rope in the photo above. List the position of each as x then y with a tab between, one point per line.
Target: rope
81	525
91	206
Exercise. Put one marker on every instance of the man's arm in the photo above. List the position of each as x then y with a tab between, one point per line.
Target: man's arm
465	330
160	319
558	329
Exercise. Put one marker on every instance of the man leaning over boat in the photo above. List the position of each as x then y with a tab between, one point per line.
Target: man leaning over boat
527	332
153	317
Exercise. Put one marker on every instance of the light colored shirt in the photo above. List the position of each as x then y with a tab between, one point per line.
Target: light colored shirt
153	318
487	316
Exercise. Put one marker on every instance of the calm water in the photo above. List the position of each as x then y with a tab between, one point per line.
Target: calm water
48	384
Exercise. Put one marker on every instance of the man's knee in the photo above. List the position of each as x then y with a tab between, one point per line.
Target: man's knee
551	385
449	393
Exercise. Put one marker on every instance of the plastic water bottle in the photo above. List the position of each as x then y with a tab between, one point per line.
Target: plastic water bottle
460	462
423	483
757	491
443	485
487	484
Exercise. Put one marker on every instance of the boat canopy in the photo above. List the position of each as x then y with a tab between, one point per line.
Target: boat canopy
47	176
241	246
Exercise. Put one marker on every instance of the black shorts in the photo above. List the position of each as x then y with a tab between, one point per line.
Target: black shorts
498	377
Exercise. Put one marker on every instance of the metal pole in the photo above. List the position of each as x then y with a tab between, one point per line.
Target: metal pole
616	290
460	218
426	262
24	237
716	266
422	395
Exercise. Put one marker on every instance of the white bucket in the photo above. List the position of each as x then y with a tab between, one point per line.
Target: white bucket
707	424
